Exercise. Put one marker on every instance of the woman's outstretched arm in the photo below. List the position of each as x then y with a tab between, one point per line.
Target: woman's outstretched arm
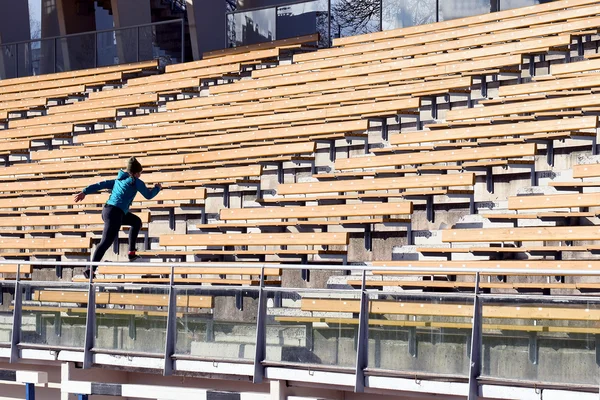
148	194
96	187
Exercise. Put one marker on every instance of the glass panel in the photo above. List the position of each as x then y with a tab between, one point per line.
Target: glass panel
452	9
107	49
54	316
508	4
128	50
354	17
541	342
132	319
213	326
32	57
303	19
299	331
428	335
75	52
251	27
405	13
6	317
162	41
8	61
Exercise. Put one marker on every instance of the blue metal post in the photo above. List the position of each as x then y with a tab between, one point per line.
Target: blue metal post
29	391
82	397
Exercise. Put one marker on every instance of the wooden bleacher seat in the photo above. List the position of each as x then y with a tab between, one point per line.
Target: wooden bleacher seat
427	157
541	233
76	117
124	299
553	201
53	84
119	102
303	40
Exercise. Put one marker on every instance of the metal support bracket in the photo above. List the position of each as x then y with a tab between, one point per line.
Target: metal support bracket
430	210
533	348
484	87
90	325
434	107
171	326
29	391
362	346
16	326
550	153
368	237
476	343
412	341
261	331
172	218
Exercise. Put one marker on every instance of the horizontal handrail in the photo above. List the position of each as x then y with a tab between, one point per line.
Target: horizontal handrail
291	3
172	21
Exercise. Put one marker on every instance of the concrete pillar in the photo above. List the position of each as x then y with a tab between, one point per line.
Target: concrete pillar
14	27
207	25
131	13
77	52
278	390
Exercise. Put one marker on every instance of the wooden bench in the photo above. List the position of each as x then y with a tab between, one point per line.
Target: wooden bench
169	87
122	299
541	233
75	117
118	102
425	181
33	133
59	220
452	57
427	44
193	177
206	141
45	243
258	55
431	157
54	83
353	112
61	76
44	93
525	128
255	239
303	40
553	201
559	103
586	170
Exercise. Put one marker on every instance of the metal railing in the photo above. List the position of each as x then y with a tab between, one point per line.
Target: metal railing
177	328
163	40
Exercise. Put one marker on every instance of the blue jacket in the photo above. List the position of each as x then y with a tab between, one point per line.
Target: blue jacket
124	189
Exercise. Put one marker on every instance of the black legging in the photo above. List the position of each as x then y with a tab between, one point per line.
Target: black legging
114	218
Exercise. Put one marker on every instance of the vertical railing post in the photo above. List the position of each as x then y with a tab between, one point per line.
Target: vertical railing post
16	60
29	391
362	346
182	41
261	331
95	49
476	343
137	44
55	54
171	326
90	322
17	313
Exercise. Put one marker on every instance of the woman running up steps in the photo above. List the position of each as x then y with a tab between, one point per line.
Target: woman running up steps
116	210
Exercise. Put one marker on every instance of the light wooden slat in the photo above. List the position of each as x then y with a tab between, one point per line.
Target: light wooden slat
315	115
57	83
158	177
549	86
170	86
236	58
200	73
266	134
524	107
478	153
16	105
12	269
553	201
134	299
215	270
312	38
65	76
47	94
54	201
54	243
586	170
118	102
541	233
259	151
255	239
581	66
79	117
477	132
39	168
56	220
425	181
347	210
58	129
516	13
